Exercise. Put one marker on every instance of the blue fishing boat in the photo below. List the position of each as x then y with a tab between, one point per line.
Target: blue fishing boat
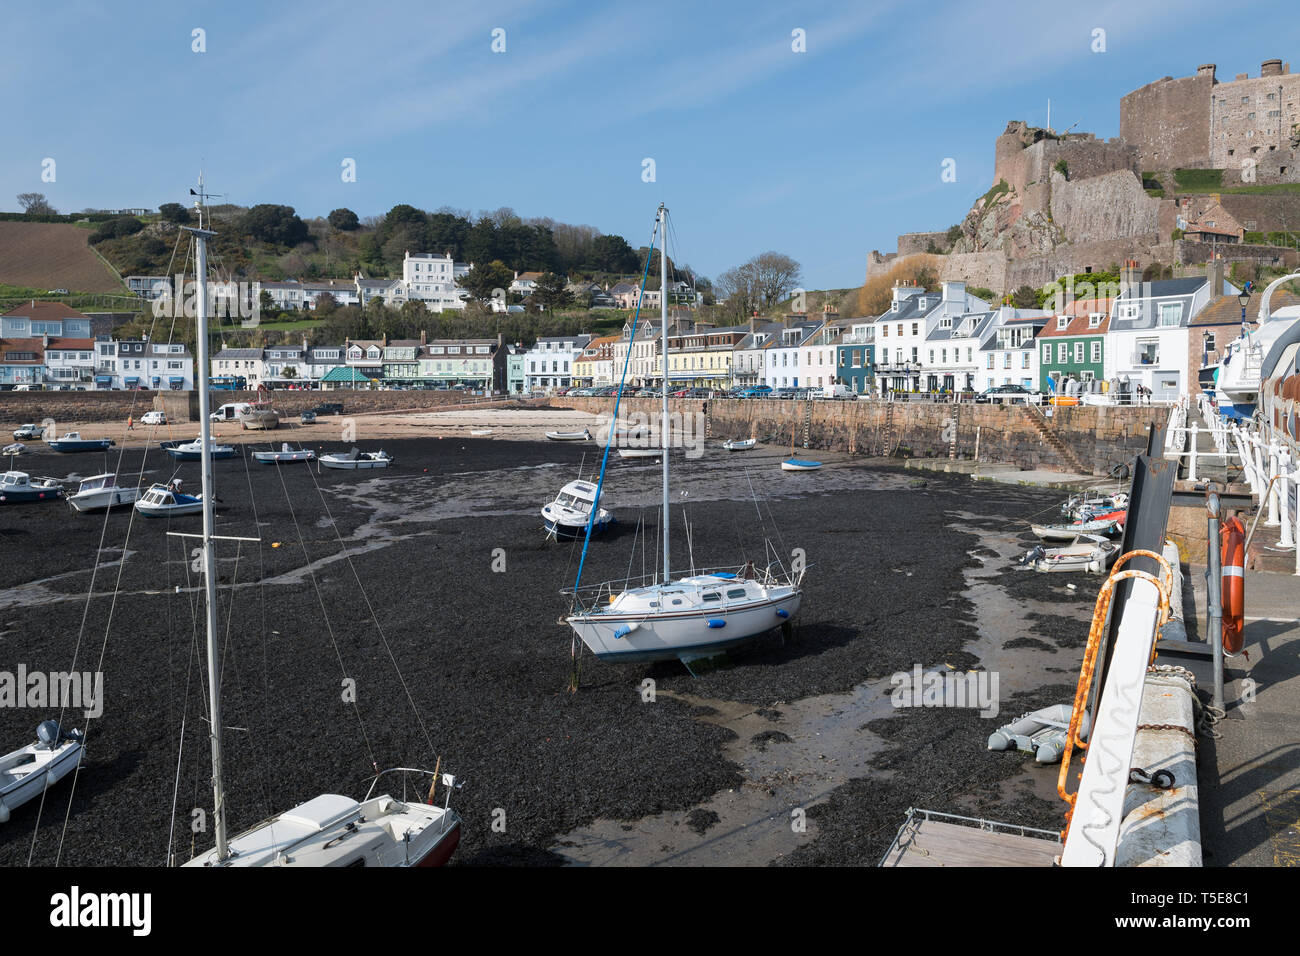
16	487
73	442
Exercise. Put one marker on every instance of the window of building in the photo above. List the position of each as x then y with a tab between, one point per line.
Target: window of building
1061	322
1078	353
1096	353
1170	314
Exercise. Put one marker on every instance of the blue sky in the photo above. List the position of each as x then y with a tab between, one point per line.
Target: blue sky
823	155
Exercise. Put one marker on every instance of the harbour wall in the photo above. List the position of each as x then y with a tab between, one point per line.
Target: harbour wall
74	408
1097	437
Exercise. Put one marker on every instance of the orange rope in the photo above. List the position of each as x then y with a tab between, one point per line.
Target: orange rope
1101	612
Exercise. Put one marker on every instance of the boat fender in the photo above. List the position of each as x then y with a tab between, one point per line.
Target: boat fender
1232	554
717	622
625	630
782	613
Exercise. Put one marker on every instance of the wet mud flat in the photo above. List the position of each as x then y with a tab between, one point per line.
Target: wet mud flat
431	586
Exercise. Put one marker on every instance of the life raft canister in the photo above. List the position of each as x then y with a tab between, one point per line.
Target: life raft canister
1232	556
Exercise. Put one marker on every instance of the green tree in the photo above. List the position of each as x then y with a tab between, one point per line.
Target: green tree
173	212
1026	297
275	224
483	279
551	291
344	220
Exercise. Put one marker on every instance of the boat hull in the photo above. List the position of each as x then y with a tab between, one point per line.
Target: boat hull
567	530
104	499
30	496
338	465
32	784
283	458
73	447
796	464
682	636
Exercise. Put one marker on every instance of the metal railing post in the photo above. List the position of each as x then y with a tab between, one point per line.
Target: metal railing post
1213	591
1191	469
1287	474
1271	457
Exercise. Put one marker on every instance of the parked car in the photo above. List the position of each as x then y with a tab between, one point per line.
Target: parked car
836	391
154	417
1011	393
57	292
328	408
29	432
756	391
307	417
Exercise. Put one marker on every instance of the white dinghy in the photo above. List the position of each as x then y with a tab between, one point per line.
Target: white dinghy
583	435
1090	556
739	444
357	460
26	772
285	456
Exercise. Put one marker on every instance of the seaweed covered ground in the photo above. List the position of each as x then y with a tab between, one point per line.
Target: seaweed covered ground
399	617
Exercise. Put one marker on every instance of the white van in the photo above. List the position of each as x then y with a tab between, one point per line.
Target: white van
836	391
228	412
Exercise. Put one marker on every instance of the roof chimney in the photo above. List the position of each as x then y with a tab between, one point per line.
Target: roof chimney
1130	277
1206	69
1214	272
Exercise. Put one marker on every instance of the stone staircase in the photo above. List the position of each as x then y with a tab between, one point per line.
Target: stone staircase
1034	416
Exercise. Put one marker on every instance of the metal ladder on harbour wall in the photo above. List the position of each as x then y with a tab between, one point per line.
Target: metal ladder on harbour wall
807	422
890	425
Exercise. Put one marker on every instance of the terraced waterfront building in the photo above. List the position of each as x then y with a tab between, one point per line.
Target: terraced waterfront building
1072	346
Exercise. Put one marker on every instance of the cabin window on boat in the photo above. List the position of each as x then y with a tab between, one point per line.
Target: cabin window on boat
736	593
713	596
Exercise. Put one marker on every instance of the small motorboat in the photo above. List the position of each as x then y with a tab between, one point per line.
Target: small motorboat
356	460
1093	557
583	435
1072	532
640	452
101	492
73	442
1041	733
257	416
567	515
17	487
193	450
480	432
17	448
800	464
162	501
285	456
26	773
739	444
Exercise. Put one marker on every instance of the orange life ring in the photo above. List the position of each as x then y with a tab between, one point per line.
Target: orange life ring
1232	556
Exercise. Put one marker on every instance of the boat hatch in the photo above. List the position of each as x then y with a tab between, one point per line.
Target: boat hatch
712	596
736	593
323	812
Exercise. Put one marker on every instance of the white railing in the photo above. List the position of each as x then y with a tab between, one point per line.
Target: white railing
1269	469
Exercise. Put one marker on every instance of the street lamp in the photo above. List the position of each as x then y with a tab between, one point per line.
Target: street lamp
1244	299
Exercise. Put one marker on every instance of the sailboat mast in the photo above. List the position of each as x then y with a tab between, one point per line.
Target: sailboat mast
663	305
208	557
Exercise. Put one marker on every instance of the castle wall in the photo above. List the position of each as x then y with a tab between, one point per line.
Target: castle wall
913	242
1169	122
1195	253
1251	118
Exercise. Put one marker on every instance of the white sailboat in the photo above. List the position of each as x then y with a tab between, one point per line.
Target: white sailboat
330	830
692	617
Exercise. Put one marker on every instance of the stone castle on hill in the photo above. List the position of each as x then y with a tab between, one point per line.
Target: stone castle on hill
1065	203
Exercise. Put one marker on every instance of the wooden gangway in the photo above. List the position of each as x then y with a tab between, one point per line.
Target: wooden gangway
929	838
